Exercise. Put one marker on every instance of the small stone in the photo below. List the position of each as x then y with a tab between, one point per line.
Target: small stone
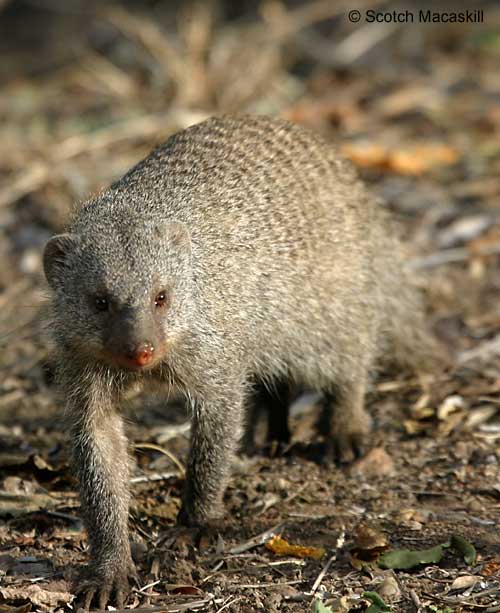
377	462
475	506
413	525
461	450
389	588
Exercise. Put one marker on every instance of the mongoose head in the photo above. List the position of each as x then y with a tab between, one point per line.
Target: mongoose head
119	289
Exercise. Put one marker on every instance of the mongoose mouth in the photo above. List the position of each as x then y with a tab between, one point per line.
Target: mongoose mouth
131	364
137	357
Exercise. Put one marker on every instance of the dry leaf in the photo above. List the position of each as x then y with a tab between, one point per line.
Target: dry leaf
450	405
423	413
16	505
480	415
464	582
368	538
422	158
482	244
367	155
413	427
5	608
281	547
453	422
414	160
413	515
36	594
491	569
369	543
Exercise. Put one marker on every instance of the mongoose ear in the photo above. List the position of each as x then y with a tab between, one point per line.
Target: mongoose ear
54	257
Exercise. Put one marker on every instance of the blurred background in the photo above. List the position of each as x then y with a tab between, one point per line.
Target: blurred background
88	87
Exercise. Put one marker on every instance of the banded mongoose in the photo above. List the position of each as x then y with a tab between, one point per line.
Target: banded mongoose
242	249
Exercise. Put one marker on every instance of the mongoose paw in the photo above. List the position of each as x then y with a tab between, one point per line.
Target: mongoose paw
276	449
100	586
349	440
272	449
249	448
185	518
346	449
191	519
199	517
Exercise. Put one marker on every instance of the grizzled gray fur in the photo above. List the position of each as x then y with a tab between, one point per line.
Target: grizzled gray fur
243	249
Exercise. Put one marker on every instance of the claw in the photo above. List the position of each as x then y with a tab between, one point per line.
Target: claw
104	596
100	587
120	598
88	599
348	440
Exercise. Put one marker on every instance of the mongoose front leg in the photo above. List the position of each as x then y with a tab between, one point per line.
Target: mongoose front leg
350	424
101	463
215	434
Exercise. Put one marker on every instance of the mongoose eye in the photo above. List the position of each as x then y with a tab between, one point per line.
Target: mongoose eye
101	303
161	299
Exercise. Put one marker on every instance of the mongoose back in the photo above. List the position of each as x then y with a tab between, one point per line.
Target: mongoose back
243	249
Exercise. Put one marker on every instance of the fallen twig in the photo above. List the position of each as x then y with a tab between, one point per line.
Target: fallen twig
451	256
172	608
250	586
228	603
260	539
165	452
322	573
483	351
154	477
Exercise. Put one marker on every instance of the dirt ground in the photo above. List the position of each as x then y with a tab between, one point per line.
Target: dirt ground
87	89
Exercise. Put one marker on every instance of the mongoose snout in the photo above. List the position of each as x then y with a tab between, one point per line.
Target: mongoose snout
137	356
134	340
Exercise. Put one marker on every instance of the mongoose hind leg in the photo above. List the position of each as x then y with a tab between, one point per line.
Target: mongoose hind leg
254	408
349	423
278	399
274	400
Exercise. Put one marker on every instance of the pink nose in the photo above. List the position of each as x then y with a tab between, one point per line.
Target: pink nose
142	354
